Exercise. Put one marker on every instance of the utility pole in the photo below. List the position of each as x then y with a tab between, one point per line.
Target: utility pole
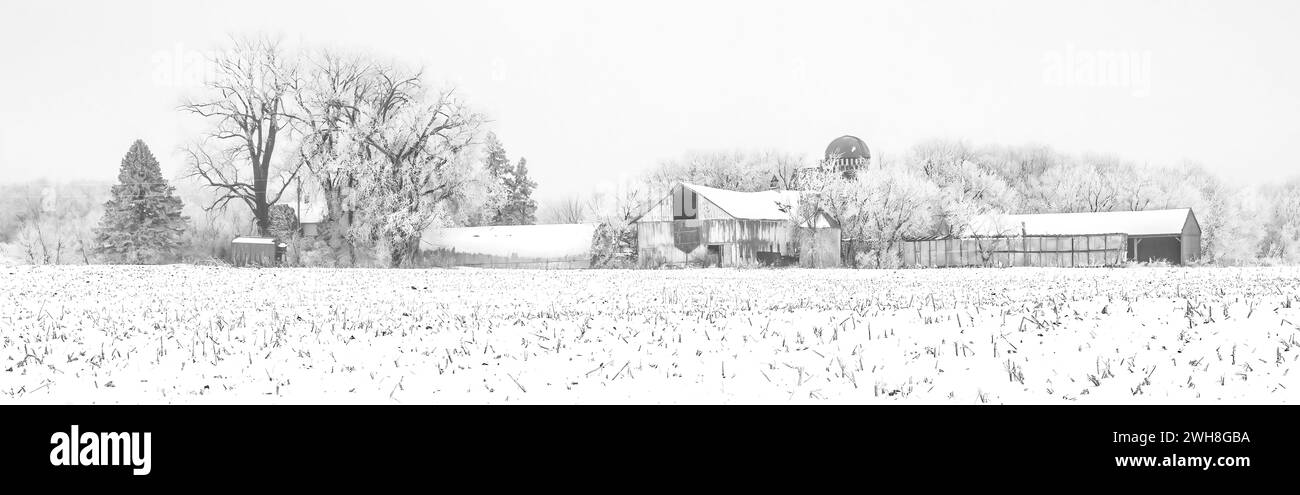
297	224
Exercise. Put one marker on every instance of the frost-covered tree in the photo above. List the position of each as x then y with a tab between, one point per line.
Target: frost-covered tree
967	191
735	170
496	162
329	98
142	223
1282	240
899	203
1232	220
416	165
875	210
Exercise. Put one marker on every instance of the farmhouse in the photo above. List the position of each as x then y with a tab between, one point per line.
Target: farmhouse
714	227
312	218
1064	239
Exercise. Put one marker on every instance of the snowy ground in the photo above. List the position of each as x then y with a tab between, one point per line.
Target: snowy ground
188	334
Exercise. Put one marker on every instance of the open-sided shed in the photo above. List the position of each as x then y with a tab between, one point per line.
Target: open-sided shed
1171	235
1065	239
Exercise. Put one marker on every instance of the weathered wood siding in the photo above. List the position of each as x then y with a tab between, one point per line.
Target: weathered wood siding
254	254
741	242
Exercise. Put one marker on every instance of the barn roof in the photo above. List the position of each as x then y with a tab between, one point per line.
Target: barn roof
760	205
1134	223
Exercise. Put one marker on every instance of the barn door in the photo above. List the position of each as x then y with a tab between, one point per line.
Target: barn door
715	255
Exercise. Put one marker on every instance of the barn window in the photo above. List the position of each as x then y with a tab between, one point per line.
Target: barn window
685	204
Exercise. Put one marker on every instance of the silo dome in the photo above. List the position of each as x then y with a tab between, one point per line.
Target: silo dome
848	148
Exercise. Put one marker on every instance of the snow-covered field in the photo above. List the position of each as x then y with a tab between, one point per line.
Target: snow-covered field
189	334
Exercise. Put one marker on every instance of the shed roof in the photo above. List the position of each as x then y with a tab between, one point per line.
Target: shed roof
253	240
525	241
1148	222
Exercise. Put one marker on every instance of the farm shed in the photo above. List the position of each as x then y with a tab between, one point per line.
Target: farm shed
511	246
256	251
1012	250
716	227
312	218
1064	239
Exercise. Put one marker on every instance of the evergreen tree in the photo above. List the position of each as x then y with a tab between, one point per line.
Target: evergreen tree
142	222
520	208
496	163
515	205
284	221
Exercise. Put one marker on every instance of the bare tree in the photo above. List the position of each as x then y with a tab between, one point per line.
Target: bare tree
248	107
937	157
53	222
567	210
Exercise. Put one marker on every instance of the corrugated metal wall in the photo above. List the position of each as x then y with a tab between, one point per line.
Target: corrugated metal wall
1063	251
1191	245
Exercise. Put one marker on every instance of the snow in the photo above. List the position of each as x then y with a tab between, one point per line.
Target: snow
760	205
191	334
523	241
1148	222
253	240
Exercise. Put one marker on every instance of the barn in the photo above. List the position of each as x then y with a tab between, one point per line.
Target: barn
698	225
1064	239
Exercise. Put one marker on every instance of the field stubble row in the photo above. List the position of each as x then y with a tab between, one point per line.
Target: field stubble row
189	334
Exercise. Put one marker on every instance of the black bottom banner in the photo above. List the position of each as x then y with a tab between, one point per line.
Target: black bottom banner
714	446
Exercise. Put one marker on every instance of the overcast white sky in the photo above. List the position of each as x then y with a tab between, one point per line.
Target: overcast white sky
592	90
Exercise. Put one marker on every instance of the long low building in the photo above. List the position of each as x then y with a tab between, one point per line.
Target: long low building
511	246
1064	239
698	225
